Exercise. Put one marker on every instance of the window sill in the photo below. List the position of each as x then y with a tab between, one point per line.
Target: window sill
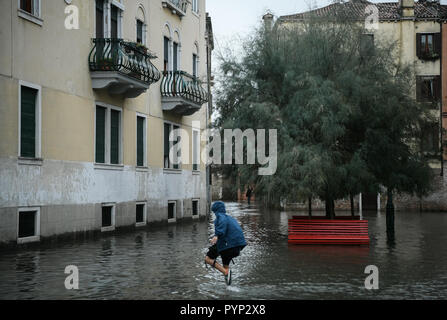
429	58
172	220
195	217
140	224
107	229
172	171
30	161
103	166
141	169
195	14
28	240
196	172
28	16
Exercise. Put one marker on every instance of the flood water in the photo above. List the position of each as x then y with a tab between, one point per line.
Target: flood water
167	263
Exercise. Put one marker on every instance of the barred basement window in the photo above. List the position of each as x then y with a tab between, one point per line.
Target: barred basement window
141	215
28	225
172	211
195	208
108	218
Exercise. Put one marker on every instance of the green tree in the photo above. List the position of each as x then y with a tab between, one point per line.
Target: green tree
346	117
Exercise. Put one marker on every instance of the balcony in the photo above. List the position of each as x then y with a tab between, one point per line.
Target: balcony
123	68
177	7
182	93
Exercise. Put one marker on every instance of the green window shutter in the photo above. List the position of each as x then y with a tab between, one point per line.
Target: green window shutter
167	130
140	141
100	134
28	123
114	137
177	154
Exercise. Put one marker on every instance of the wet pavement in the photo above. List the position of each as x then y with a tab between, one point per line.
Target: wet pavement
167	263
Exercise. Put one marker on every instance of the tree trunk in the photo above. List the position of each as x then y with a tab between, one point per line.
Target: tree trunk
330	208
352	205
390	215
310	206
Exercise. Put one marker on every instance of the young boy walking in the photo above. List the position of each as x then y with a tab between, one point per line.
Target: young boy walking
228	241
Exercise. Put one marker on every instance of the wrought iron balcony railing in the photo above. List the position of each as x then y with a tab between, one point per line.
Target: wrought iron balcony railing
178	7
184	85
127	58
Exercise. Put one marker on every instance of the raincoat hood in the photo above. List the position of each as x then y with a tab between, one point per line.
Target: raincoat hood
227	229
218	207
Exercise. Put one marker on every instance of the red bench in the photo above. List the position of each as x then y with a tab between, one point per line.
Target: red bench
328	232
325	218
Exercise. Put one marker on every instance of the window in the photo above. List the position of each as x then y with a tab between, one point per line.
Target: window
99	19
195	65
195	208
166	53
172	211
108	135
141	141
367	45
430	139
195	150
141	215
28	225
29	120
195	6
31	6
176	56
171	129
428	88
140	38
108	218
114	17
114	12
428	45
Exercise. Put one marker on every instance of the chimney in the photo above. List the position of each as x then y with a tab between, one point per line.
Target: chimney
406	8
268	21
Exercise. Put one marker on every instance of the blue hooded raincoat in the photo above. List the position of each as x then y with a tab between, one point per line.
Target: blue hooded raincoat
227	229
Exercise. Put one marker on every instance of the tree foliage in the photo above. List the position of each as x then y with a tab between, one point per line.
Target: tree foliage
345	112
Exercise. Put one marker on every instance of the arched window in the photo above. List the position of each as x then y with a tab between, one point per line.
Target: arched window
167	49
141	24
176	50
195	60
195	6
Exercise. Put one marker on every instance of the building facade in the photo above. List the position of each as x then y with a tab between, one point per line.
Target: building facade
102	107
419	32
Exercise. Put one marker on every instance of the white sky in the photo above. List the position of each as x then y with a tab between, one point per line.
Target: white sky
235	18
